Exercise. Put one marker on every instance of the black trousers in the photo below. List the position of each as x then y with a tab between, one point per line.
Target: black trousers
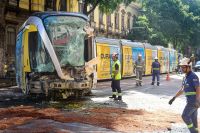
115	85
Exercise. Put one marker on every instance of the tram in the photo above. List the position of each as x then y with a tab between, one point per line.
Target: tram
128	53
55	55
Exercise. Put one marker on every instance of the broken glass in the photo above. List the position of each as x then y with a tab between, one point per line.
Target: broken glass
67	35
39	58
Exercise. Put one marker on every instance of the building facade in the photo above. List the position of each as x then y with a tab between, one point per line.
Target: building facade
13	13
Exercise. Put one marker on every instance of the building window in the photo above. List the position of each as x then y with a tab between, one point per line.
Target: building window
11	40
122	20
134	18
80	6
91	16
50	5
100	17
108	20
13	2
63	5
2	35
116	20
129	21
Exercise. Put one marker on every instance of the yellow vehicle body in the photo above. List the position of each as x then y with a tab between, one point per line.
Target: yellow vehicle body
127	69
103	67
26	60
105	47
148	60
160	60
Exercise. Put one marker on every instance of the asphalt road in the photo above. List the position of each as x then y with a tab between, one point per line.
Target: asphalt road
147	97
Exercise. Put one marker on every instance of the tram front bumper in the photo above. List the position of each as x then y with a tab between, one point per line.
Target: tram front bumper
70	85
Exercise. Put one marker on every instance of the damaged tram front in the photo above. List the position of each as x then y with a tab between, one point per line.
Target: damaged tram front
55	55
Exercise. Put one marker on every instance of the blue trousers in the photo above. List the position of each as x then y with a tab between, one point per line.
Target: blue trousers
189	116
157	75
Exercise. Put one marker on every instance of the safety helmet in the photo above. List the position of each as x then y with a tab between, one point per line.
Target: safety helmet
139	55
115	54
156	58
185	62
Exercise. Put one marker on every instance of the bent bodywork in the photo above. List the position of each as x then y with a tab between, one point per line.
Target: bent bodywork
53	51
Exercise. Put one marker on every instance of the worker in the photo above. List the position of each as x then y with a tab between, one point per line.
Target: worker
155	71
190	86
139	65
116	77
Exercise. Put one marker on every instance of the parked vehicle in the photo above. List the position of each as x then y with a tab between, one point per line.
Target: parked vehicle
197	66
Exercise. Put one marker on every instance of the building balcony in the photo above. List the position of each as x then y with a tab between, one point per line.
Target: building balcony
93	24
123	33
101	27
116	31
12	5
109	29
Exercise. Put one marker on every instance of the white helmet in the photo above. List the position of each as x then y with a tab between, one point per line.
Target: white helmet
156	58
140	55
185	62
114	54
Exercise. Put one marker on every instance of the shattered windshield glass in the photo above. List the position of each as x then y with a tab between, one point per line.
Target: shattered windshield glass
67	36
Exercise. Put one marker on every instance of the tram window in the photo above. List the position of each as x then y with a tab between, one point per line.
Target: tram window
33	43
88	49
39	58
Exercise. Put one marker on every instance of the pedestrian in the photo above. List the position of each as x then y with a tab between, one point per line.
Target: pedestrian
155	71
139	65
190	86
116	77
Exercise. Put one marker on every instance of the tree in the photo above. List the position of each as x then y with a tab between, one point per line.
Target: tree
172	21
104	5
140	30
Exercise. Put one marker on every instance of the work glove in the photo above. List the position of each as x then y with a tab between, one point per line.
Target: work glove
172	100
197	104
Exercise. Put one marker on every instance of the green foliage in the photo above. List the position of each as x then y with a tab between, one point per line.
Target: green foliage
140	29
106	6
170	21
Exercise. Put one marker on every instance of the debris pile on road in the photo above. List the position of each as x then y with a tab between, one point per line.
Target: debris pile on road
117	119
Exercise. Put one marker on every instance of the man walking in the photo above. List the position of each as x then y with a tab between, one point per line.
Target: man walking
155	71
139	65
116	77
190	86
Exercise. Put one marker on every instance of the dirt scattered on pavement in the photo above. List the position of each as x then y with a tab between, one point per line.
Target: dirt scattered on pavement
118	119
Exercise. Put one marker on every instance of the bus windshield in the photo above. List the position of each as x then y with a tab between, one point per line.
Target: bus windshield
67	36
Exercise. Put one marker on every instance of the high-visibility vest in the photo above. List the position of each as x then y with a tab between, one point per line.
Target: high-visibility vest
118	76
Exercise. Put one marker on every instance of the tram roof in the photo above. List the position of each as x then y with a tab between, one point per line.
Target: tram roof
107	40
43	15
147	45
133	44
159	47
154	47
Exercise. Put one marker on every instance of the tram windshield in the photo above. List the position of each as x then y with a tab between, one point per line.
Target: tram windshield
67	36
